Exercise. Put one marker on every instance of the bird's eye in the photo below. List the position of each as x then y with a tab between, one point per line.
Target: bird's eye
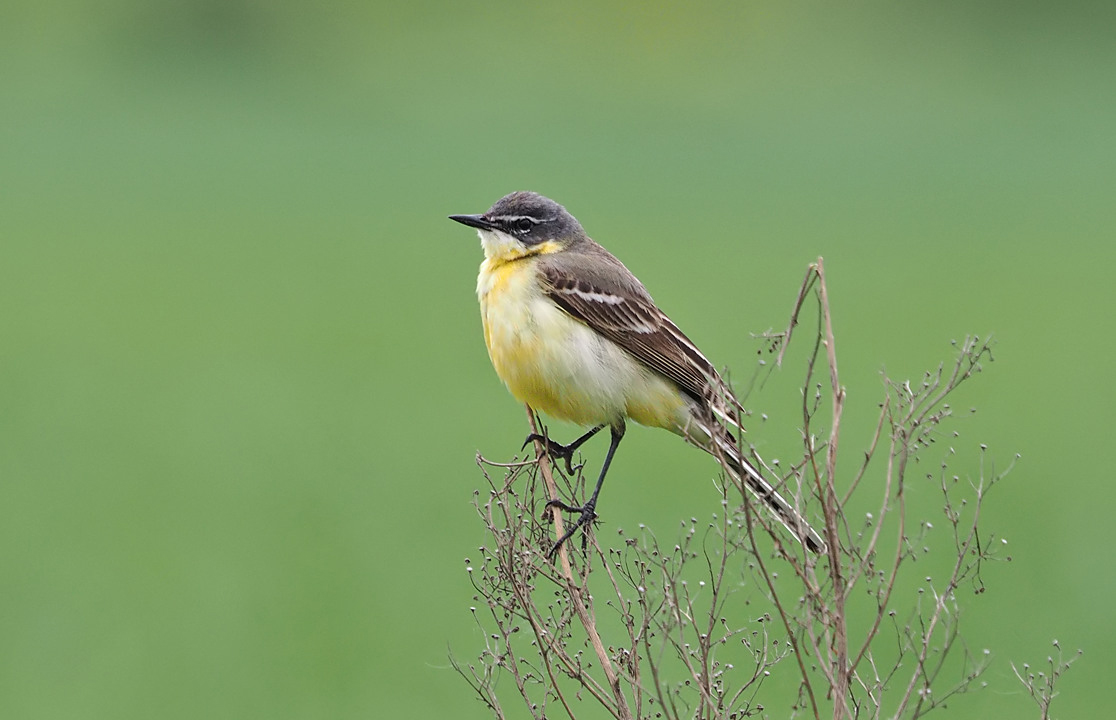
524	224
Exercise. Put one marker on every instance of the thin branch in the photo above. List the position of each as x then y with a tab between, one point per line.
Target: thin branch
620	709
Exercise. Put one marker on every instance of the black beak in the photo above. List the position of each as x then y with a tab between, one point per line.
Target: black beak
476	221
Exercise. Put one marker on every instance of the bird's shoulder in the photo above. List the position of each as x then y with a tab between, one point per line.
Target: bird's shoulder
596	283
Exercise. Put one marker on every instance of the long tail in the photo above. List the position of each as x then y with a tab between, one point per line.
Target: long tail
721	443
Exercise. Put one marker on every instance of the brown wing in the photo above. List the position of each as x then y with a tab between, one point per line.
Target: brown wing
626	314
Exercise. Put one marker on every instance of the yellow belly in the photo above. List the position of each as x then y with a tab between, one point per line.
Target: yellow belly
559	366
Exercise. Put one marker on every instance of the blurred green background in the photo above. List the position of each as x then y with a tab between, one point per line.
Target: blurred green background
242	380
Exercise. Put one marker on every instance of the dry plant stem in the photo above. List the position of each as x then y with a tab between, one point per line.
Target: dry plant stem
621	708
632	673
807	283
753	519
788	624
536	624
832	509
869	453
940	601
893	571
1040	686
836	669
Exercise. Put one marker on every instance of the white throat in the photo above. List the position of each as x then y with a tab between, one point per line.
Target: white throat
498	244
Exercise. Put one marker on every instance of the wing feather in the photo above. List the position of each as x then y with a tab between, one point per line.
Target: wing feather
629	317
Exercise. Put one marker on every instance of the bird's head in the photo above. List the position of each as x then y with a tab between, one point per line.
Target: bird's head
523	223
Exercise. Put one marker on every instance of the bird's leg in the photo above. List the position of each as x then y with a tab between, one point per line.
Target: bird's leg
588	510
564	452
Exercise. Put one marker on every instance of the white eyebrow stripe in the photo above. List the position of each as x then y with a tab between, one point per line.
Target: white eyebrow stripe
515	218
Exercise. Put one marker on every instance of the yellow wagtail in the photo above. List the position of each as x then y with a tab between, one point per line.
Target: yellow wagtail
574	334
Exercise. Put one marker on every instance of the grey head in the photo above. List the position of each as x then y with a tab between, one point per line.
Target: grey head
528	217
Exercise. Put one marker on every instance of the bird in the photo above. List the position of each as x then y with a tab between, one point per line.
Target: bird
574	334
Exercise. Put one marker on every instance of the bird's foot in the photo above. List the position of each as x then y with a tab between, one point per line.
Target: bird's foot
587	514
556	450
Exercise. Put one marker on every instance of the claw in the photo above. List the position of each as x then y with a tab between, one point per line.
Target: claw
530	439
555	450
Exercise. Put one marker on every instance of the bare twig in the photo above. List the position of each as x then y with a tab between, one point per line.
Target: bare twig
575	587
1040	683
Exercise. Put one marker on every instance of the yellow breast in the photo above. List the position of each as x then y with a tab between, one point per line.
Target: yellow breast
522	336
556	364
